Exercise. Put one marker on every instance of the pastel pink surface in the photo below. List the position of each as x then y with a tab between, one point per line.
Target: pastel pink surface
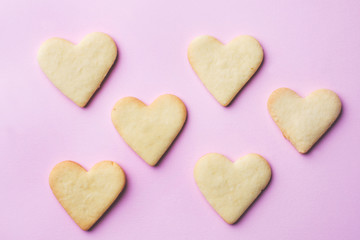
307	44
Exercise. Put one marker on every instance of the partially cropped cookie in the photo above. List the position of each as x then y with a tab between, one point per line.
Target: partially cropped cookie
149	130
78	70
86	195
304	120
225	69
231	187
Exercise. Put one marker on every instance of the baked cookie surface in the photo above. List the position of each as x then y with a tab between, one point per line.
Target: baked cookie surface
86	195
304	120
78	70
231	187
225	69
149	130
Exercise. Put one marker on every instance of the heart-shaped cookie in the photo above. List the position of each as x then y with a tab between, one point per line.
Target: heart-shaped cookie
78	70
229	187
86	195
225	69
304	120
149	130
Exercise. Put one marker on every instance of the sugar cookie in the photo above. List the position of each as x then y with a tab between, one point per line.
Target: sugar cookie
225	69
86	195
149	130
304	120
78	70
229	187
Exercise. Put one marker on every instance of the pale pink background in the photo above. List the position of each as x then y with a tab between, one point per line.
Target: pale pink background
308	45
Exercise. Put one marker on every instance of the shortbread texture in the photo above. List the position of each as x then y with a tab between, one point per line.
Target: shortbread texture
149	130
78	70
225	69
86	195
229	187
304	120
